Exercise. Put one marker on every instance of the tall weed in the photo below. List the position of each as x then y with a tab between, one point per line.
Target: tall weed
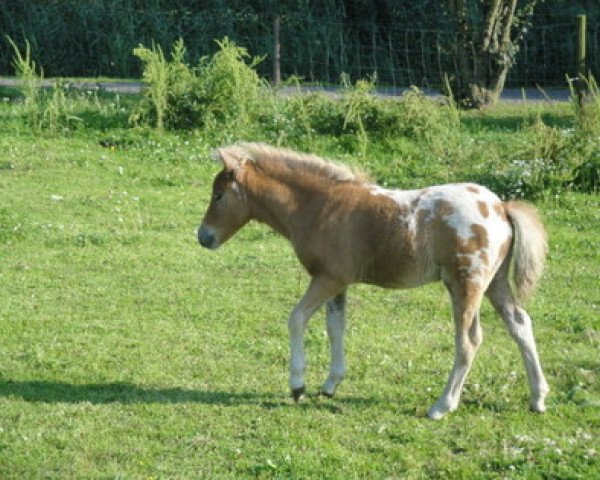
586	138
427	119
158	75
229	87
59	111
360	107
30	83
49	112
222	93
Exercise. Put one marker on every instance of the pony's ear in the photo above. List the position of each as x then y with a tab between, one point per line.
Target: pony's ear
231	158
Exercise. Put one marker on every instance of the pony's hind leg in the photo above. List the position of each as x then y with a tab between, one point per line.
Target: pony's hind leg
320	290
466	301
519	325
336	324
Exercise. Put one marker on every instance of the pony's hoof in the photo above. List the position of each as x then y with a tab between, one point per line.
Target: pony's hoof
327	394
537	407
298	393
439	410
435	414
537	403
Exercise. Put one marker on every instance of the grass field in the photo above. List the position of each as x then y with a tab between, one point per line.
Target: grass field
127	351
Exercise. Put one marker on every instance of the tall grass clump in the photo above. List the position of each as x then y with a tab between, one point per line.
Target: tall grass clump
360	108
221	93
230	88
156	76
55	110
550	160
586	175
290	120
29	82
427	119
539	164
168	82
361	119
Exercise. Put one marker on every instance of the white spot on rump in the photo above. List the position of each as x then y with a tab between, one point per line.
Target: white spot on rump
465	212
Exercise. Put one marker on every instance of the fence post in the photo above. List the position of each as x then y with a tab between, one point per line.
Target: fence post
276	51
581	44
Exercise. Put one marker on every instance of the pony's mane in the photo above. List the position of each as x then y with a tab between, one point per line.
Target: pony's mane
273	159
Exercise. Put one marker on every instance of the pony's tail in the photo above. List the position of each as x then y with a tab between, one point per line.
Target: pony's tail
529	249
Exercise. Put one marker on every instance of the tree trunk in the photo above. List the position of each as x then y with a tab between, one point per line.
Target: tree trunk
486	45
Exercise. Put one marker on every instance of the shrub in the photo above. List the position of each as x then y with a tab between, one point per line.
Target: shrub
586	175
540	163
167	100
59	110
586	138
222	93
229	87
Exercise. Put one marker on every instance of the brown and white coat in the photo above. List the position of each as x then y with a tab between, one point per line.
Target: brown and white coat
346	230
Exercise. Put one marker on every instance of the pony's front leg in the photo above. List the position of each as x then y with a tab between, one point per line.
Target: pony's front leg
320	290
336	324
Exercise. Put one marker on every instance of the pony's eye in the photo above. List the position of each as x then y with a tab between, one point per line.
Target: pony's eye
217	197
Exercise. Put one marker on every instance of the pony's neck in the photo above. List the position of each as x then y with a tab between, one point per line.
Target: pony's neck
280	202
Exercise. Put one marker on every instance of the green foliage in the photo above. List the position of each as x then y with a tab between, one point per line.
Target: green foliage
359	106
406	42
586	174
58	109
229	87
169	84
30	82
360	116
550	159
540	164
403	141
221	94
425	118
156	75
59	113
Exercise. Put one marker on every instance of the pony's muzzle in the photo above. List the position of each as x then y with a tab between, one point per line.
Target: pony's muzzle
207	238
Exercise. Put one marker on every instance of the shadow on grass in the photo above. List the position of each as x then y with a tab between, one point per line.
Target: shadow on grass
39	391
121	392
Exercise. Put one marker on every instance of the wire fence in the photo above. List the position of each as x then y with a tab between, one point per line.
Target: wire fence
404	55
68	42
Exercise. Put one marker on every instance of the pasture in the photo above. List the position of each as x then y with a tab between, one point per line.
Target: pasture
127	351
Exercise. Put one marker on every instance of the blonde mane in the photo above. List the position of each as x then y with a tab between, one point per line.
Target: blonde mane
273	159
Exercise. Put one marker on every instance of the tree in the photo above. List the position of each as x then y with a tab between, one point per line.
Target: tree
488	34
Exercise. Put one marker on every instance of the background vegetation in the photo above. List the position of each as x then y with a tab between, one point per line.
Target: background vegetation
405	43
127	351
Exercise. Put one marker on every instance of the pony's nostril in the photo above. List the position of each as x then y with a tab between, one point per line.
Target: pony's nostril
207	238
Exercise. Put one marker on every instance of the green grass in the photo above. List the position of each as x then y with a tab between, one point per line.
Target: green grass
127	351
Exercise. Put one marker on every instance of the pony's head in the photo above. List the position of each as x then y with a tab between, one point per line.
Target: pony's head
228	210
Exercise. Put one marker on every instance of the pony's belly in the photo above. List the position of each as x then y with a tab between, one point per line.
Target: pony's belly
407	277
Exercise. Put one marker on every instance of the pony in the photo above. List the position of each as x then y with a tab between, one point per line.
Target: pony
344	229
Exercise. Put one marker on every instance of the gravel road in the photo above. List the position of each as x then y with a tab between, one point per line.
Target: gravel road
508	95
